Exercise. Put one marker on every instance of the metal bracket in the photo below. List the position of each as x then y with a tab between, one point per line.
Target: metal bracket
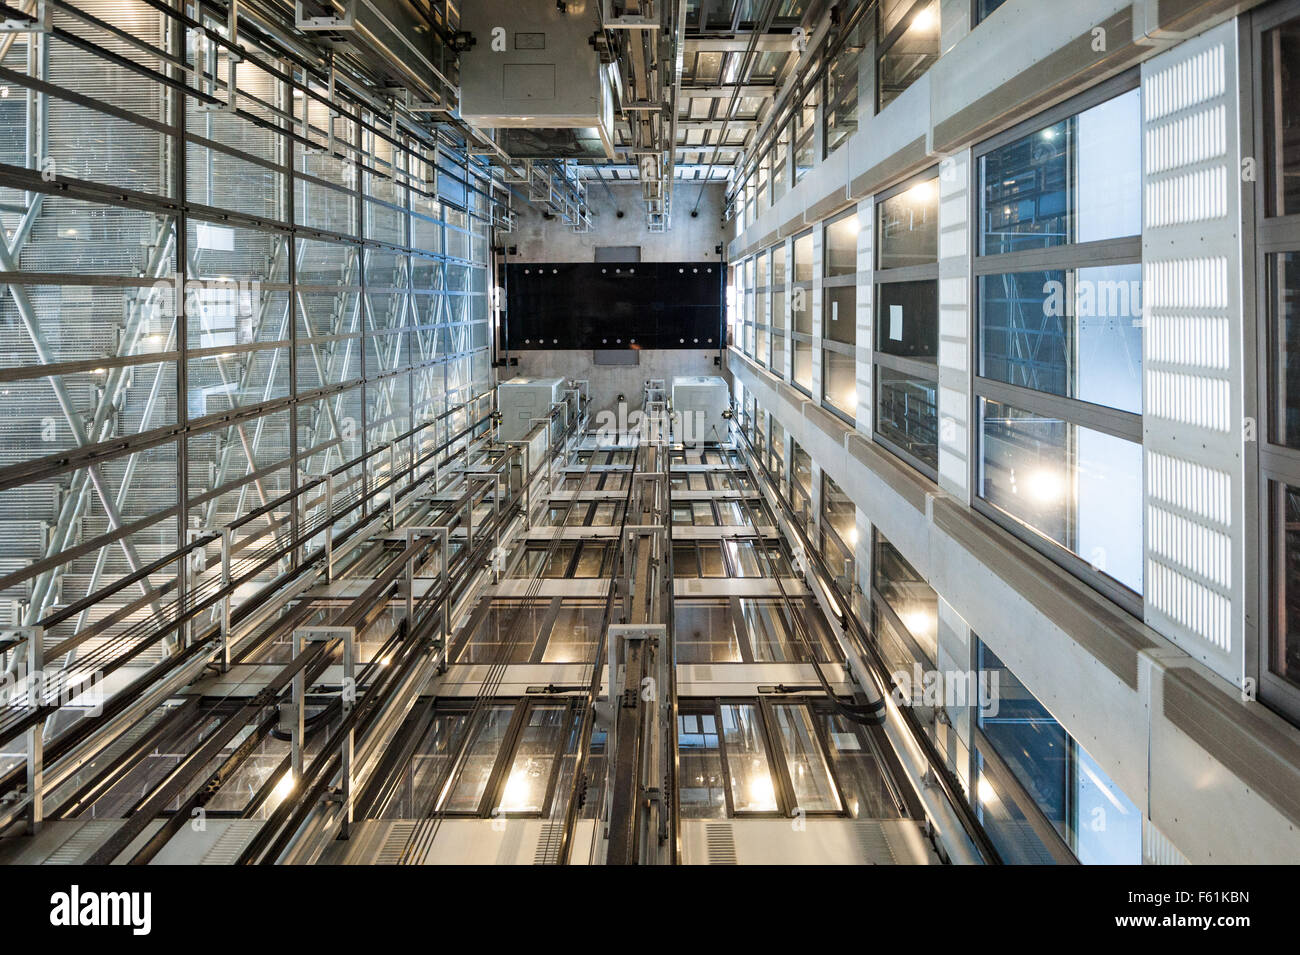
347	21
39	22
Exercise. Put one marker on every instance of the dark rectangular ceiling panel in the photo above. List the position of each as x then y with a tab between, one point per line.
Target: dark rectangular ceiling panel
605	305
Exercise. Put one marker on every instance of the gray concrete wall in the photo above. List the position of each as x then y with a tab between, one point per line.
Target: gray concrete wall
689	240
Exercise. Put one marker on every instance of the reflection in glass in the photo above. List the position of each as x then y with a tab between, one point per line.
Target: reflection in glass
1079	180
909	56
470	780
907	414
1282	121
909	226
700	773
842	246
907	319
810	776
528	782
1284	281
752	789
1076	334
840	381
704	634
1078	487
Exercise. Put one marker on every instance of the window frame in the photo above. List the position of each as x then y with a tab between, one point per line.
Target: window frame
1277	465
1125	425
912	367
777	758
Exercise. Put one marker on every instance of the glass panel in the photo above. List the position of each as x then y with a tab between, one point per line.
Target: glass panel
538	751
906	592
704	634
908	57
685	561
840	381
1282	119
1107	825
810	776
838	510
840	323
1005	823
1284	659
771	635
842	246
984	7
750	776
907	314
803	257
907	414
700	772
857	769
909	226
802	369
468	786
1079	180
574	635
506	635
1284	275
711	564
1077	487
591	558
1077	334
1024	734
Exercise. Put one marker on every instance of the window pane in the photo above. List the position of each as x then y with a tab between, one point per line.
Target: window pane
802	370
841	319
1284	274
1107	825
908	57
506	635
1028	200
574	635
906	592
907	315
750	777
907	414
985	7
1005	823
809	775
1075	334
842	246
700	774
803	258
536	755
861	776
1282	92
1025	735
480	758
909	226
1284	660
1077	487
704	634
840	381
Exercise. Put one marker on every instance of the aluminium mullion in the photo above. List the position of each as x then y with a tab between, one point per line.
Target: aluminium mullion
1112	421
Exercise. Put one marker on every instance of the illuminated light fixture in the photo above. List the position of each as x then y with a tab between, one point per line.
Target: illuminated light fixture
925	20
761	793
918	621
985	790
1045	485
515	796
922	192
853	536
285	786
851	398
